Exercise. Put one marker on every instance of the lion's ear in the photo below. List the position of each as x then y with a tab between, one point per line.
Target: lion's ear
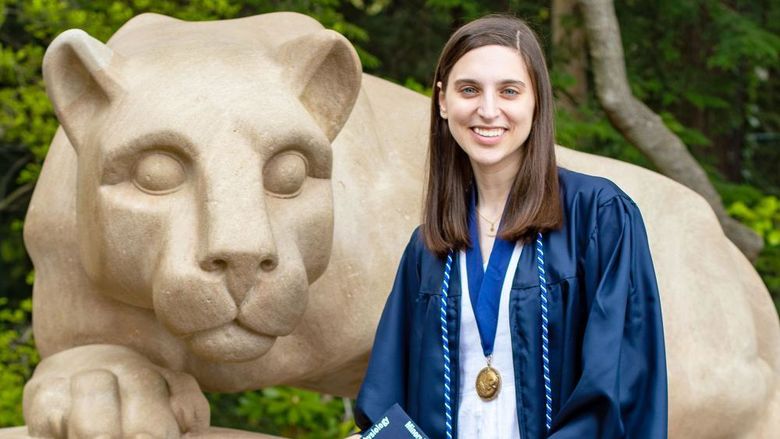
81	80
323	69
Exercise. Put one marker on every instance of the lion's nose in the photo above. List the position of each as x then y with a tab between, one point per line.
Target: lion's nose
238	235
246	262
239	268
239	246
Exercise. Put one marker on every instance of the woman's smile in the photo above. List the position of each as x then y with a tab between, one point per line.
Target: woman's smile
488	136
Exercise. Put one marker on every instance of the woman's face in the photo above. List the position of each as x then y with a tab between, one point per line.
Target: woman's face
489	106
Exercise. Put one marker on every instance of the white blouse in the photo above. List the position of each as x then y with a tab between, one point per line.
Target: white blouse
478	418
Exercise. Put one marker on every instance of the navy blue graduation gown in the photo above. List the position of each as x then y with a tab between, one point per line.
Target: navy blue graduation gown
607	358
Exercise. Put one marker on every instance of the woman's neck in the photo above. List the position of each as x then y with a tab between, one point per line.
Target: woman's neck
493	186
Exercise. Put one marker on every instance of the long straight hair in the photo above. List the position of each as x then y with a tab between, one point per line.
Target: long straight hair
534	202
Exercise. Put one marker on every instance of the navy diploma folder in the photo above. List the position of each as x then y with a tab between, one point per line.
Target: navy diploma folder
394	424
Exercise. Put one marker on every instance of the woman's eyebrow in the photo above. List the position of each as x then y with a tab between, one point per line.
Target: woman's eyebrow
512	82
465	81
468	81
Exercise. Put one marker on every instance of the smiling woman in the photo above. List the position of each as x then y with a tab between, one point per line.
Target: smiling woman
549	325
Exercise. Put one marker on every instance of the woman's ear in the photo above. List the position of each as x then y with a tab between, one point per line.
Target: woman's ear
442	103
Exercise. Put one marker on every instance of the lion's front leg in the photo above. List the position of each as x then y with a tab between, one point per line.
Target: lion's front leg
111	391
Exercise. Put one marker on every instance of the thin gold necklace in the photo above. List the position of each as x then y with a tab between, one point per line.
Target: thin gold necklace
492	232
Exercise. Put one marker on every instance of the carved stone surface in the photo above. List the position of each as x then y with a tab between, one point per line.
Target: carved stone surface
216	214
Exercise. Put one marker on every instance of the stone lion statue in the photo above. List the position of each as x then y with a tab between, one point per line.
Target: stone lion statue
224	207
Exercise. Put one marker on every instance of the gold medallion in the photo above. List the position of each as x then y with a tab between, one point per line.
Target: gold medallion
488	383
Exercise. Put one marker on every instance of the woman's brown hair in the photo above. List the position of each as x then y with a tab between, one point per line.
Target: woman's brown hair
534	202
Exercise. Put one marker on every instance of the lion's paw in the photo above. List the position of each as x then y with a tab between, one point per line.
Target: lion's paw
113	392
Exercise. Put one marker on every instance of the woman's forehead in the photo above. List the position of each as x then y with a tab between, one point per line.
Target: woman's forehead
492	63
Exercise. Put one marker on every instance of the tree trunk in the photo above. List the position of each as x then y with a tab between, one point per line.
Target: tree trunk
642	127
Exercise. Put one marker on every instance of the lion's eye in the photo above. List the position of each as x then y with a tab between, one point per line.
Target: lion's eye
158	173
284	174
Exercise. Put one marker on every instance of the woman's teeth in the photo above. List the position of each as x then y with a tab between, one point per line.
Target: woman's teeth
492	132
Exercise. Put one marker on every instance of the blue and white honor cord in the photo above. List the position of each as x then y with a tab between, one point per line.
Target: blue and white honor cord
544	295
445	286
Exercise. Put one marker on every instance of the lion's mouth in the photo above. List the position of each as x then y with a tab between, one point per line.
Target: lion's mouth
222	327
230	343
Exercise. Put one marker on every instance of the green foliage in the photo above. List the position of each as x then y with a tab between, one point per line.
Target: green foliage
12	251
761	213
732	193
297	413
18	357
407	36
768	266
412	84
706	66
285	411
763	217
745	40
588	130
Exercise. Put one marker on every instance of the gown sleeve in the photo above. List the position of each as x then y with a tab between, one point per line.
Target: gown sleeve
386	378
622	389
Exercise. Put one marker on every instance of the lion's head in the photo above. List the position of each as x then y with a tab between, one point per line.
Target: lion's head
185	204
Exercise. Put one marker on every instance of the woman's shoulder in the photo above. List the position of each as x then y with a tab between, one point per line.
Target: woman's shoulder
416	245
418	259
417	250
595	191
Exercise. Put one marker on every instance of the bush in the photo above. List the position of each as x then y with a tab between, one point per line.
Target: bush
762	214
18	358
286	412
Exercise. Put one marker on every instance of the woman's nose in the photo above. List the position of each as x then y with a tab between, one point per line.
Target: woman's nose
488	108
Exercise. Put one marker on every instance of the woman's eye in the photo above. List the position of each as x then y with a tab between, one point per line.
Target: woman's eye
284	174
158	173
511	92
468	90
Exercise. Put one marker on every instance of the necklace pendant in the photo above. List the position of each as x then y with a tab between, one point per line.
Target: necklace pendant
488	383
